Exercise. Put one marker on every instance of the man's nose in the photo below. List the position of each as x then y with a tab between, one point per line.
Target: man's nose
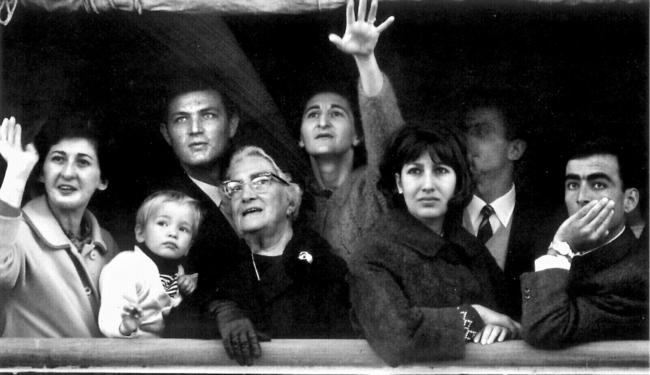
584	195
196	125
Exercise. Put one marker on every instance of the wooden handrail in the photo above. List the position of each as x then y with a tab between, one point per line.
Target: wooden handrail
296	356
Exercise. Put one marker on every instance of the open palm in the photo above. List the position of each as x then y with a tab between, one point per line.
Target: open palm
361	35
20	161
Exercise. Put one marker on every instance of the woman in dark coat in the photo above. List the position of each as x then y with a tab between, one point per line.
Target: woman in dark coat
291	285
421	287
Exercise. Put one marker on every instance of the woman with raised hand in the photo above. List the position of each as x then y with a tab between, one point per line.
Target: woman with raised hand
346	200
420	285
52	250
291	285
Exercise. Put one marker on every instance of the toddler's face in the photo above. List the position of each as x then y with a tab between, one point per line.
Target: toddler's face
168	232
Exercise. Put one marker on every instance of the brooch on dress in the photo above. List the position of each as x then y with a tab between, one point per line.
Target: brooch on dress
305	257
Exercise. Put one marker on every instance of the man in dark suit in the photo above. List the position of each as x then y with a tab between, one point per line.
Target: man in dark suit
593	282
199	124
508	221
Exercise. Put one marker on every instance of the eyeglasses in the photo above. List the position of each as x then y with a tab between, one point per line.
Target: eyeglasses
260	183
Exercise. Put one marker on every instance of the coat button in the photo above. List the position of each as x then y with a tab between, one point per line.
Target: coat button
88	291
93	254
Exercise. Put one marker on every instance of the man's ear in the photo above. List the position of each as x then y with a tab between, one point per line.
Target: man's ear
630	199
516	149
301	143
233	123
165	133
398	183
139	234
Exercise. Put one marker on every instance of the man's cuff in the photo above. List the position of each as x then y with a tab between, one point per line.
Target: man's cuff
552	261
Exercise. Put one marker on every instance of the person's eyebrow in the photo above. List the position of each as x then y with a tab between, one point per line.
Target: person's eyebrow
315	106
599	176
338	106
211	109
81	154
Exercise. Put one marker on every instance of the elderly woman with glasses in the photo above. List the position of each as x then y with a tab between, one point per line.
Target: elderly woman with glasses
291	285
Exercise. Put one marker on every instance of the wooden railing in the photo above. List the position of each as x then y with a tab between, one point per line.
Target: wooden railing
307	356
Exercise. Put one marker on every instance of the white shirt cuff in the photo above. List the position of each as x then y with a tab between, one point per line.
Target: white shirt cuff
552	261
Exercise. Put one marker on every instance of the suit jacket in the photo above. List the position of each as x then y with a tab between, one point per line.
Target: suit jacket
532	229
215	250
604	296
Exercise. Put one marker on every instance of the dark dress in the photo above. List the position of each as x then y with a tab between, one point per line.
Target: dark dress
300	294
604	296
406	284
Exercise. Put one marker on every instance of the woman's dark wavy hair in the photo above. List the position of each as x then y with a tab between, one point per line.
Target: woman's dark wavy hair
68	125
443	145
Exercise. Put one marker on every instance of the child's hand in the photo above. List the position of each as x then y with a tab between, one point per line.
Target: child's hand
131	316
187	283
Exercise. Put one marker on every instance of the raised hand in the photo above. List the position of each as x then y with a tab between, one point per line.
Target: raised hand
20	162
588	227
361	34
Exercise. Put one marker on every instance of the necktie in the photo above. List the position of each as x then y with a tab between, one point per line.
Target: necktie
485	229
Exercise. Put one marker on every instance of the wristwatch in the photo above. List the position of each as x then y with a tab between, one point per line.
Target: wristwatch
562	248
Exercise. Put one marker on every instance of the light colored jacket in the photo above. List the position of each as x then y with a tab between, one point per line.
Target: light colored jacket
47	287
132	275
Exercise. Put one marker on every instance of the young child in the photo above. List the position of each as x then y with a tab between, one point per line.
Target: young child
138	288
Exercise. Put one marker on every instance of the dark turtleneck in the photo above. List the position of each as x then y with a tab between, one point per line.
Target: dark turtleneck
165	266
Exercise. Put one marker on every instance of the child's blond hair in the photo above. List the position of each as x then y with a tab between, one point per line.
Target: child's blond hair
155	200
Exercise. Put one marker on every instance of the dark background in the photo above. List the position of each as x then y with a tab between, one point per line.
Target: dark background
582	70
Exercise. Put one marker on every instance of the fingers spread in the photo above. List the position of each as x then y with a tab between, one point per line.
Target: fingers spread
372	14
361	14
384	25
349	13
336	40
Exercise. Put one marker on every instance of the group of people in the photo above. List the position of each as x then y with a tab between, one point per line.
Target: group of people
428	246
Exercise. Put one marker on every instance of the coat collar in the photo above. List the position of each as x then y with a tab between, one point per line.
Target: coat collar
409	231
40	219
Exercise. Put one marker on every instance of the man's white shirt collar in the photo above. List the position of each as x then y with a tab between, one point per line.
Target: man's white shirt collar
214	192
503	207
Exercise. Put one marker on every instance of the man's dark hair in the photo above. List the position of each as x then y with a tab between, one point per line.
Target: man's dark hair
607	146
180	85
